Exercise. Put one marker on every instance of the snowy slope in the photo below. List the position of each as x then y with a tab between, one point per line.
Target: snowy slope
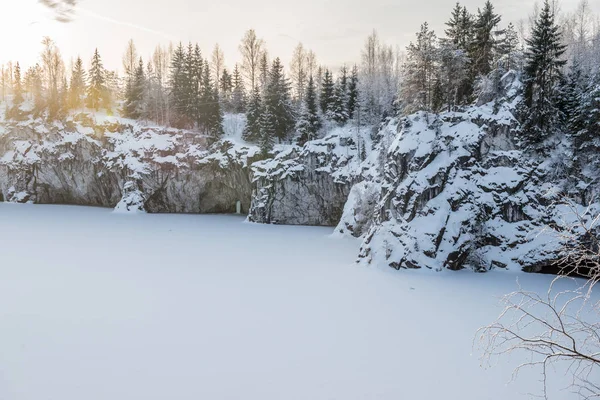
97	305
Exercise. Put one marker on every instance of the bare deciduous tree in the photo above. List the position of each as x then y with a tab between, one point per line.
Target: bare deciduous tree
218	63
130	59
299	71
559	329
251	48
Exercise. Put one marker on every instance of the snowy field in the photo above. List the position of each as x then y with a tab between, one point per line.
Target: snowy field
102	306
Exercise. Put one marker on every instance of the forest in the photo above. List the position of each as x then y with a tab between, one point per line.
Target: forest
557	55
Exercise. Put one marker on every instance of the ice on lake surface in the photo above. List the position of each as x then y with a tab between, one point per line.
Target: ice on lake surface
96	305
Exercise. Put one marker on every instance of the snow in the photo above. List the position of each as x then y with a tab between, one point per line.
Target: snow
97	305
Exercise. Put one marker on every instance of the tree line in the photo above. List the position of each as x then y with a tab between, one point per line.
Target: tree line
557	58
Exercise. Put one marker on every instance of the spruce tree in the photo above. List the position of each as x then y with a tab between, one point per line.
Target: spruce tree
211	118
77	86
17	87
134	106
263	71
457	33
309	122
587	119
253	117
338	111
238	97
35	85
543	66
225	89
179	85
466	36
327	93
482	51
352	93
278	116
508	48
97	91
572	91
420	71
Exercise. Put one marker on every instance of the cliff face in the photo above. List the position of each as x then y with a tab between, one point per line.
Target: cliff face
458	193
114	164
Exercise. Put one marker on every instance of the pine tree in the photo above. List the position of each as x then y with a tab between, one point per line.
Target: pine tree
572	92
238	97
420	70
352	93
278	115
97	91
211	118
226	89
263	69
482	51
77	87
266	139
226	83
17	87
508	47
457	33
195	75
543	68
134	106
339	112
309	122
35	86
438	99
179	86
587	119
254	111
327	93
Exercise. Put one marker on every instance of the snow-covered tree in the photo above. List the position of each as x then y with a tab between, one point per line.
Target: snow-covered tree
225	89
352	93
179	86
97	93
459	31
327	93
135	96
211	117
420	70
238	96
482	52
77	86
254	111
339	111
309	123
278	115
543	72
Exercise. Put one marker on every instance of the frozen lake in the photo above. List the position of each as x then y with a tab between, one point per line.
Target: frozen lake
102	306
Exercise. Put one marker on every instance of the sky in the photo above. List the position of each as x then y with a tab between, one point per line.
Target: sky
334	29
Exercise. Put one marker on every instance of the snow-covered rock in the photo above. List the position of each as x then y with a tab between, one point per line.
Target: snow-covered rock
120	163
309	185
457	192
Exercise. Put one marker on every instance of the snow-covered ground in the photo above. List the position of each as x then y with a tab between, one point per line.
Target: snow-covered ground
96	305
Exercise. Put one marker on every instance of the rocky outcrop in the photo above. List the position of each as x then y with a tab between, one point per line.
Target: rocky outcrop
130	167
309	185
458	193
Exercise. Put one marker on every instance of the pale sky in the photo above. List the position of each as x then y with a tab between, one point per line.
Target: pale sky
334	29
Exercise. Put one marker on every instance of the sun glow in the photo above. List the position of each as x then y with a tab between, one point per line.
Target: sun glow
22	29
